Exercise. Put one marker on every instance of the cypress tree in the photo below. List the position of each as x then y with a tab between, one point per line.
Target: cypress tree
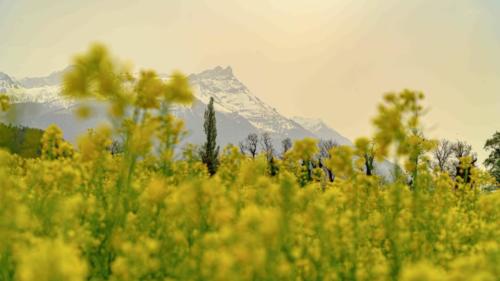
210	150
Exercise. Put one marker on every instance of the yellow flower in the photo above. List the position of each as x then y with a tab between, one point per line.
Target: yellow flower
53	144
341	160
4	103
178	89
156	191
422	271
49	260
303	149
149	88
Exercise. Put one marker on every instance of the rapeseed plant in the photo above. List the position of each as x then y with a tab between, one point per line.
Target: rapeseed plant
143	214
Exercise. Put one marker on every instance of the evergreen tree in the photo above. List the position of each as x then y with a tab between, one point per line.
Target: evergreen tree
210	150
492	145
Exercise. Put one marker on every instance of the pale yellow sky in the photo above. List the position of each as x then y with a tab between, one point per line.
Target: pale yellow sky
330	59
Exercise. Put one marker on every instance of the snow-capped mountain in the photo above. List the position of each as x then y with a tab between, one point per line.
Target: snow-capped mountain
53	79
43	90
7	83
230	95
38	104
239	111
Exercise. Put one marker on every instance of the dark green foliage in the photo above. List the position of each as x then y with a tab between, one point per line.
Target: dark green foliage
210	150
492	145
23	141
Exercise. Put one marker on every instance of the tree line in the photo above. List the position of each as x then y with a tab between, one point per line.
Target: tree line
446	157
21	140
453	158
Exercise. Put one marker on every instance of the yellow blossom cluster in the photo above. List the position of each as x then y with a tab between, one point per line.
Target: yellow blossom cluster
4	103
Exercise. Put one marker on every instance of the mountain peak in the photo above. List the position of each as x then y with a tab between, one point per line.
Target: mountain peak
217	72
321	129
52	79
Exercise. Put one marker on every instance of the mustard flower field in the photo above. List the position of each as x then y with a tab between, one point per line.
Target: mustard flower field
153	211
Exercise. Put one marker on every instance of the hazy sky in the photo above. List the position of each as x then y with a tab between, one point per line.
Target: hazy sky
329	59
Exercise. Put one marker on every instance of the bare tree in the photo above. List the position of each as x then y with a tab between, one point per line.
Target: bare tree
286	144
267	145
462	149
325	146
369	156
324	153
242	147
268	148
442	155
250	144
116	147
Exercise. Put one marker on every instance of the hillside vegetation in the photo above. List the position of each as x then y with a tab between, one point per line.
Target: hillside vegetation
87	212
22	141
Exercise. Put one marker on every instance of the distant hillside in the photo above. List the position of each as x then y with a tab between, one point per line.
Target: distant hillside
20	140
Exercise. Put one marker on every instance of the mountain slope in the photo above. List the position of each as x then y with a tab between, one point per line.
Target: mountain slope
53	79
239	112
38	103
231	96
321	130
7	83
